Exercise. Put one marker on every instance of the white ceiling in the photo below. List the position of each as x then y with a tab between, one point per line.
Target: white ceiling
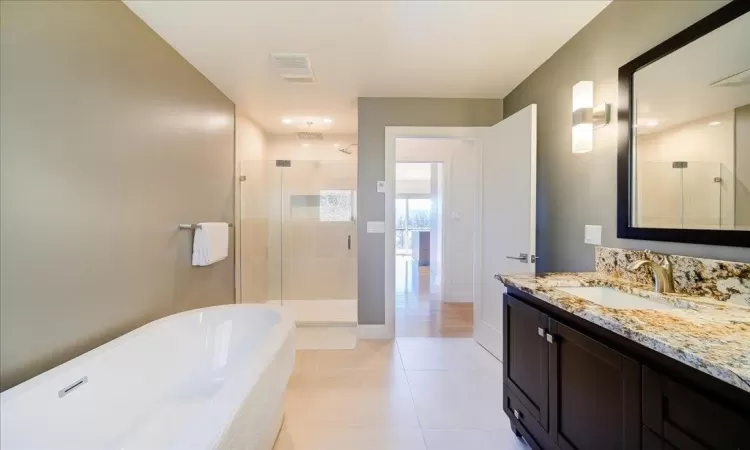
677	88
472	49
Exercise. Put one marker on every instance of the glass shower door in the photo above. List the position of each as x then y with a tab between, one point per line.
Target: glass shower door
318	240
693	195
701	195
259	232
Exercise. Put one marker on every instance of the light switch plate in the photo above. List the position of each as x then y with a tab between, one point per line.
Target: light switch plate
593	234
376	227
381	186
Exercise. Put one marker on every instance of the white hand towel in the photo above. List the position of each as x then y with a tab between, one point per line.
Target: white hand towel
211	243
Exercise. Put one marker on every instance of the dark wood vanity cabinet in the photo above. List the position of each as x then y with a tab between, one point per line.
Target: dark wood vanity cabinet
593	393
689	420
565	388
527	358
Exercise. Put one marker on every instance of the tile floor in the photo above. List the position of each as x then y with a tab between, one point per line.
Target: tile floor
407	394
325	338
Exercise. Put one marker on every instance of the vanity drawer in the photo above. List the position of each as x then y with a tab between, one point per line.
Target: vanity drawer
521	419
689	420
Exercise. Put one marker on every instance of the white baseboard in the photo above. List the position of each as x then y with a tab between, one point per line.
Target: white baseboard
374	332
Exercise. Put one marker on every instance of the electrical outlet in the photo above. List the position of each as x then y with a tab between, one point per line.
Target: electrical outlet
376	227
593	234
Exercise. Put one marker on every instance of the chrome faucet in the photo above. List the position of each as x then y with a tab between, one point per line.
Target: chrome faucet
663	281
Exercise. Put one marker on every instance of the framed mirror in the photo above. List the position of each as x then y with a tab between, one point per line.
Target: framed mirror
684	135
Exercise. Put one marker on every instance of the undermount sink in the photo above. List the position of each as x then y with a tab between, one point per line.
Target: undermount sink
612	298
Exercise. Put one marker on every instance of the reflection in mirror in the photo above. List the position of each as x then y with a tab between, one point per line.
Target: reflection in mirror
691	146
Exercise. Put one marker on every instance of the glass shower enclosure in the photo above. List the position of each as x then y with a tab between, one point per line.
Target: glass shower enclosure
298	238
684	194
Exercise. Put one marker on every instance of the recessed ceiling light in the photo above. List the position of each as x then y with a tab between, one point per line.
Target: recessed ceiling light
336	145
652	123
286	121
713	124
305	144
327	121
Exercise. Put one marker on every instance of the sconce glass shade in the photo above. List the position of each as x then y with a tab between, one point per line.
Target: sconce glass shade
583	128
583	138
583	95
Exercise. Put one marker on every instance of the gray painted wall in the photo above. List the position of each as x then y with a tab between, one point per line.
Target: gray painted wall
742	166
574	190
374	115
107	144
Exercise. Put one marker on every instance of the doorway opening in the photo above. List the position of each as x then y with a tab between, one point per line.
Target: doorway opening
489	215
434	214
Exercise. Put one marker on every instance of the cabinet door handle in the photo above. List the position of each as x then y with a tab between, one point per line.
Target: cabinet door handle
517	414
550	338
541	332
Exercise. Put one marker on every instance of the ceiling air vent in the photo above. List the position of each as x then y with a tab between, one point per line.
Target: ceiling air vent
293	67
736	80
308	136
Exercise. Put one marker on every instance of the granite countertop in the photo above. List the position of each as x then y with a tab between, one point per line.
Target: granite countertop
703	333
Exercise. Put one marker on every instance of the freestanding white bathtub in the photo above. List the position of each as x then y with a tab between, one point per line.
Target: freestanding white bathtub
211	378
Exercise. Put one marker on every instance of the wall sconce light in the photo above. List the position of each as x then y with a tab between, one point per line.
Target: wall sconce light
586	116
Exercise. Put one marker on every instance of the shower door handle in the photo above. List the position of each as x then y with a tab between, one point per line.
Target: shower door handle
349	241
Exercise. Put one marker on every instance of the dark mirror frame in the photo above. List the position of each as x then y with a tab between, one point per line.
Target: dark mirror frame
733	238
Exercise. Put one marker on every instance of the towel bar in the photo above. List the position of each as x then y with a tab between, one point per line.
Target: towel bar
190	226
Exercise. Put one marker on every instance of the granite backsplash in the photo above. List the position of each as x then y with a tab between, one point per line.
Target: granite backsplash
721	280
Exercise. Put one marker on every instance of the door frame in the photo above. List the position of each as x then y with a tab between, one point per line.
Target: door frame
391	134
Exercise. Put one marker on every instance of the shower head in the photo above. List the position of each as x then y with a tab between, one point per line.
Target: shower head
346	149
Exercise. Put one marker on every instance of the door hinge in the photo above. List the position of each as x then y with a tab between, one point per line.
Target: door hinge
243	178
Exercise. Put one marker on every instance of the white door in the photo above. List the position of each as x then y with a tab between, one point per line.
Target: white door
507	219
